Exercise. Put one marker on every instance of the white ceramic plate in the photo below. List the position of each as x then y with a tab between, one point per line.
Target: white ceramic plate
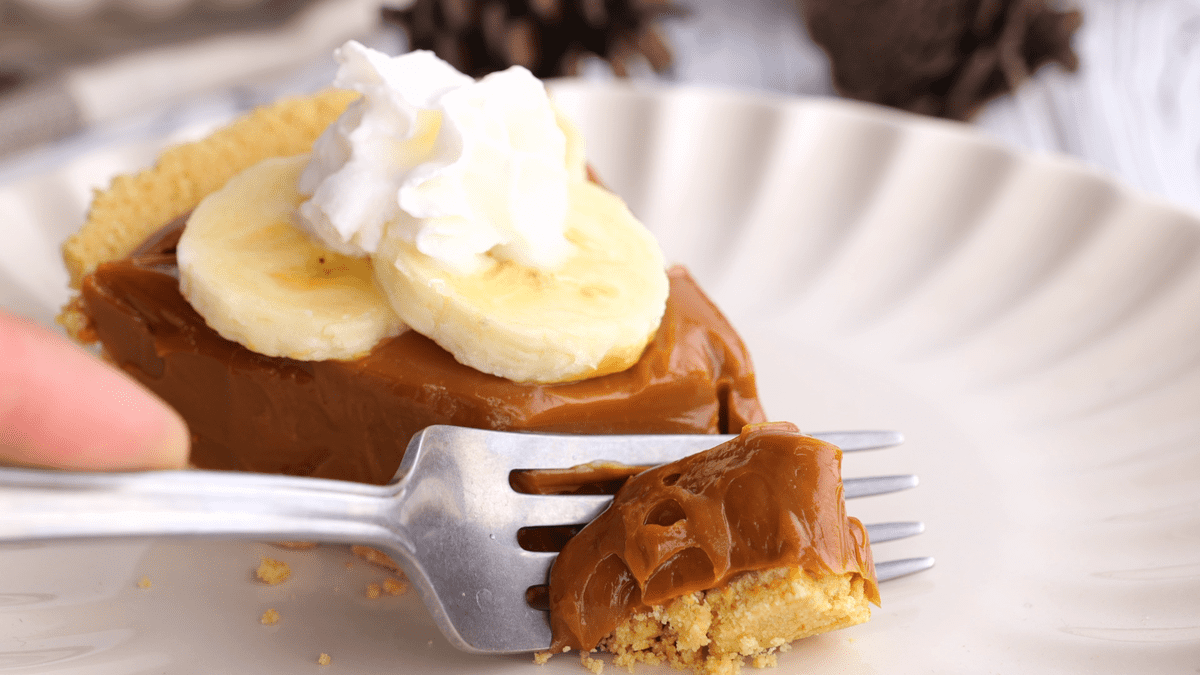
1032	326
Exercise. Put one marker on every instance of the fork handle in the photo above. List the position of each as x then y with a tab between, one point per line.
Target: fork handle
37	505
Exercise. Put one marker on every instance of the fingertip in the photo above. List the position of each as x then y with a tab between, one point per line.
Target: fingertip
173	446
63	407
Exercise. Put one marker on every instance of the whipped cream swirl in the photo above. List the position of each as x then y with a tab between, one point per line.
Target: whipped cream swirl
472	171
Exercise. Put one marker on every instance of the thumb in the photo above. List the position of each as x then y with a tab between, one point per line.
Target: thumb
61	407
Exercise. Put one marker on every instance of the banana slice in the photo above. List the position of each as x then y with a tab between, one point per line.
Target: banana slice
259	280
591	316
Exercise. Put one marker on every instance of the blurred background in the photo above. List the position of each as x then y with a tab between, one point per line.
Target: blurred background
1115	83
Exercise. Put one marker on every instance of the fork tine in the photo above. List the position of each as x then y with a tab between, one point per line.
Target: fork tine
535	510
854	441
556	451
534	569
453	499
892	569
878	533
538	510
877	485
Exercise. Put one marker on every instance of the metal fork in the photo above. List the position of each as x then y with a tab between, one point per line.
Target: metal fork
449	517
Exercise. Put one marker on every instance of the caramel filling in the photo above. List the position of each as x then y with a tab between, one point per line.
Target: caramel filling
770	498
352	420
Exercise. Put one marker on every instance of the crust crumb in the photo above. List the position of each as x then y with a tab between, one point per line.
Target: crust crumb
296	545
375	557
135	206
75	320
593	664
393	586
272	572
764	661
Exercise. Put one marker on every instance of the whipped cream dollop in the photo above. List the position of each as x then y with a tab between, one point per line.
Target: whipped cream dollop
471	171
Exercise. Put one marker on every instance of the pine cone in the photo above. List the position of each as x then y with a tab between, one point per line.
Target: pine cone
549	37
938	57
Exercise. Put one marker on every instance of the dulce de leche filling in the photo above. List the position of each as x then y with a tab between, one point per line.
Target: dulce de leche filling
352	420
772	497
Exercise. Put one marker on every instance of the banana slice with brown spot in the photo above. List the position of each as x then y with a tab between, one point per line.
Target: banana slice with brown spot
592	315
261	281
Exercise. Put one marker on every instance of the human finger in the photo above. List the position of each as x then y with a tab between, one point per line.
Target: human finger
62	407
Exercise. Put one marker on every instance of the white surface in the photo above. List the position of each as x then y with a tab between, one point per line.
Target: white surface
112	90
1029	323
1131	108
74	9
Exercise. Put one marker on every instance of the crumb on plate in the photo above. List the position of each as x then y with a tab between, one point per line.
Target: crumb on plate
323	659
394	586
593	664
145	583
296	545
272	572
391	586
375	556
270	617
